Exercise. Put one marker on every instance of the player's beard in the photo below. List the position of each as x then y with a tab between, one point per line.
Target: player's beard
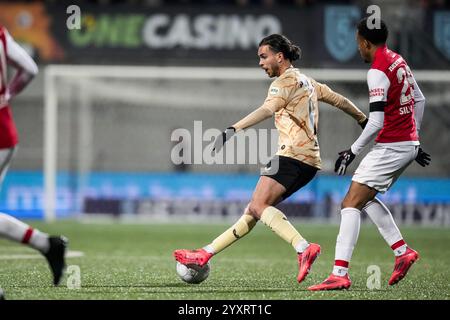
275	71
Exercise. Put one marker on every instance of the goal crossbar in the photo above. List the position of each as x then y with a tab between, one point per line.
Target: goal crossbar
53	72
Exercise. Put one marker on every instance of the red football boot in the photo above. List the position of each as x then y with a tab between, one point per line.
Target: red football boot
199	257
333	283
402	265
306	259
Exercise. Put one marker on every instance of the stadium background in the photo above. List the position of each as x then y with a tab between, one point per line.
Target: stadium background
114	146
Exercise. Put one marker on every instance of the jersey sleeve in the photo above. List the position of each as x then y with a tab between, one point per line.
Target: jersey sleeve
18	56
253	118
419	105
378	84
418	95
279	93
325	94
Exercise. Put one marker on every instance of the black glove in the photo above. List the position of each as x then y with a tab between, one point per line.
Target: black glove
363	124
423	158
222	138
345	158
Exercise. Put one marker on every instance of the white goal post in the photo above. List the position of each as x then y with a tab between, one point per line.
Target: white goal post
83	73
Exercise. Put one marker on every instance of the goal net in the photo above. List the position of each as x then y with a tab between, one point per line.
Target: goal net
108	125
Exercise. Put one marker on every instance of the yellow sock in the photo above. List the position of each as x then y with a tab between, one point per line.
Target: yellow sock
277	221
237	231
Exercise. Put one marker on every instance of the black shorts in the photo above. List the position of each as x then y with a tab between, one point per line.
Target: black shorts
291	174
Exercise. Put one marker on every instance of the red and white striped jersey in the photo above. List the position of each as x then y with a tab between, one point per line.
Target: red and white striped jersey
390	80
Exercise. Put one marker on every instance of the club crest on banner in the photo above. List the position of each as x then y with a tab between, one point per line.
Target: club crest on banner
442	32
340	26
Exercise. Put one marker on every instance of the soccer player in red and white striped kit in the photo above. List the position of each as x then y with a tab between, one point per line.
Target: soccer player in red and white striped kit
396	111
52	247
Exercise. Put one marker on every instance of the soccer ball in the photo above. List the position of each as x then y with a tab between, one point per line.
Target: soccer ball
193	273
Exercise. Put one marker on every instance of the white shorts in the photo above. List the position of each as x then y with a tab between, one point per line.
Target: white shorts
382	166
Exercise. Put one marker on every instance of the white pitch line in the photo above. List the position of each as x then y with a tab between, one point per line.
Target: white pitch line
69	254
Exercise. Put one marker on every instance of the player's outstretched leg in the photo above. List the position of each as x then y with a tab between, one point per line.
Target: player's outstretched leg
307	252
404	256
2	294
201	256
53	248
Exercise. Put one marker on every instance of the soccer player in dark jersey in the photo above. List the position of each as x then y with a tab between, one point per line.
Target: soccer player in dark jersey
396	110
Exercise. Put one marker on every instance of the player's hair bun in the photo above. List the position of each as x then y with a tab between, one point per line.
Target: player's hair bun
279	43
295	52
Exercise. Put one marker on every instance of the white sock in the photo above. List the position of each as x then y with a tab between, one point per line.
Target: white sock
346	239
209	249
301	246
400	250
382	217
39	241
340	271
17	231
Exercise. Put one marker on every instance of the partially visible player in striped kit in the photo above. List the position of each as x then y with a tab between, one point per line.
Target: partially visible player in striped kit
52	247
396	110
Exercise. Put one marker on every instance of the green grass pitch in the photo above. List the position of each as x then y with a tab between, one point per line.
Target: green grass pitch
134	261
